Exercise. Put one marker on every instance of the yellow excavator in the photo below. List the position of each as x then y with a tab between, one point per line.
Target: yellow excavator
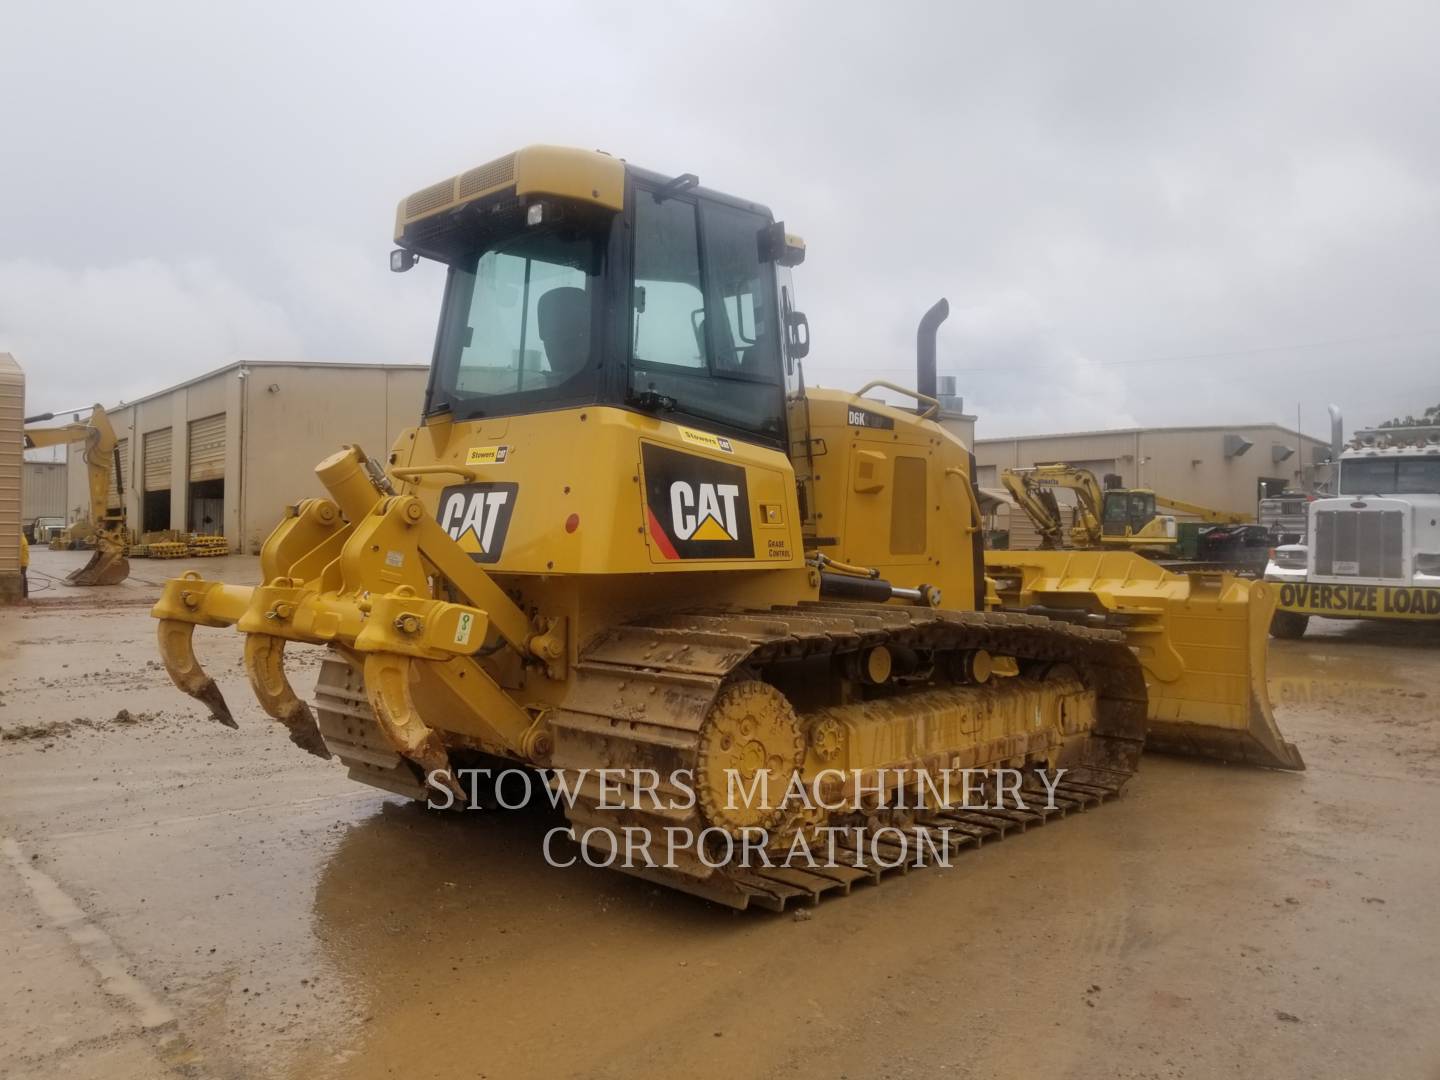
626	536
108	564
1116	517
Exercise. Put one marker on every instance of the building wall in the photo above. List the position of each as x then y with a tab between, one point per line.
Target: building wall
961	425
1183	463
173	409
273	438
43	491
308	415
12	454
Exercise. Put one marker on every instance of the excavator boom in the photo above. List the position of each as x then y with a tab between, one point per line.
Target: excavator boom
1205	513
108	564
1034	491
1116	518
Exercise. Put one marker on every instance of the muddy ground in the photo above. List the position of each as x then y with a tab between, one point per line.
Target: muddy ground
180	898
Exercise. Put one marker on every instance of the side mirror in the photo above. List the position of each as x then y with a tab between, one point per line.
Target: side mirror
402	260
797	335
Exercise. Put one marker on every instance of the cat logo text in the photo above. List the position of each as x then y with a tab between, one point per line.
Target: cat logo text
477	517
703	511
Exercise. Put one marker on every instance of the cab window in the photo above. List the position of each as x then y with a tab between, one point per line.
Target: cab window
703	333
1142	509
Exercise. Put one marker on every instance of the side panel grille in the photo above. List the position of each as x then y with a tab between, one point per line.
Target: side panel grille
1360	543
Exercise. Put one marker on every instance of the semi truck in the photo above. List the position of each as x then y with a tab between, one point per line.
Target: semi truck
1372	551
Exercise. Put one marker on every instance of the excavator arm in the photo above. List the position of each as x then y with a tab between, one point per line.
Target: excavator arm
1205	513
1033	489
108	565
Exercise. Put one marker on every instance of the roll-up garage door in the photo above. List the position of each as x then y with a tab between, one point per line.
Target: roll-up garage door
207	448
122	448
156	468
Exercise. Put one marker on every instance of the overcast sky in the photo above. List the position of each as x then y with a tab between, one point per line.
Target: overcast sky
1141	213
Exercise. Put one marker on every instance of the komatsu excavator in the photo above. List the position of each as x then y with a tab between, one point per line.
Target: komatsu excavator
1122	518
108	564
625	535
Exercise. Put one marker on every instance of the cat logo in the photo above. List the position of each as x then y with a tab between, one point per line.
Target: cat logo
708	515
695	507
477	517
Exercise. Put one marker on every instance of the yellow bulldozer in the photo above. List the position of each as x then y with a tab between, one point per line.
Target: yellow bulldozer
626	536
108	563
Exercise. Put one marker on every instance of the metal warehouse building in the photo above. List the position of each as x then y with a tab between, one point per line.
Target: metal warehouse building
43	490
225	453
1224	468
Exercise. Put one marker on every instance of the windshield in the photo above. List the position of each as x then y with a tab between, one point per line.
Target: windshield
518	320
1128	507
1391	476
703	330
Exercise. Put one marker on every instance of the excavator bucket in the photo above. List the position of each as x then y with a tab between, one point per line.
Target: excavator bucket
1201	639
104	568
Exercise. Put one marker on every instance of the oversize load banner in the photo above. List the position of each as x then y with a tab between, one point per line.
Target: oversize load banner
1357	601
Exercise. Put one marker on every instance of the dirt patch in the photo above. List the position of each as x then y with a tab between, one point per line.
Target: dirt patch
57	728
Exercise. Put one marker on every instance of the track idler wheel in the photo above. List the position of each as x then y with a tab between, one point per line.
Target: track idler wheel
751	741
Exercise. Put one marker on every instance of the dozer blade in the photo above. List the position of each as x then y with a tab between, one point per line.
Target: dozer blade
1200	637
177	649
104	568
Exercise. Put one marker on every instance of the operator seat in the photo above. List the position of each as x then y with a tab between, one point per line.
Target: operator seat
727	357
562	318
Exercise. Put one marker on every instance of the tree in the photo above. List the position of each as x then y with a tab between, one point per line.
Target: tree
1430	416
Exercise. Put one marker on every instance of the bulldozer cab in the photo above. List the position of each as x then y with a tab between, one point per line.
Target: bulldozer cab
627	288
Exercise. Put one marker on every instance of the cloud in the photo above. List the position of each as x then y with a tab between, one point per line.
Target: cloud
1097	190
124	330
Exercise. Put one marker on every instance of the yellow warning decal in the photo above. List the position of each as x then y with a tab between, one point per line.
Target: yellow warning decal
487	455
1361	601
707	440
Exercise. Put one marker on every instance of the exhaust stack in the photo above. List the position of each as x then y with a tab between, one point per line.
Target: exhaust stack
1337	432
926	380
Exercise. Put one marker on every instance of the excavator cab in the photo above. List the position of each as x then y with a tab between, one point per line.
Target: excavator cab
1125	513
1130	515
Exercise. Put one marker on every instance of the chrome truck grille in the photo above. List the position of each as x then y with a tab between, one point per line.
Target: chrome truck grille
1360	543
